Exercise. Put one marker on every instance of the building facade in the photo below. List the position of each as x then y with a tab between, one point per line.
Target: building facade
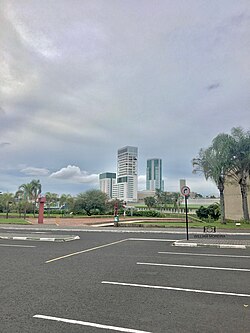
233	200
154	175
127	174
107	182
182	183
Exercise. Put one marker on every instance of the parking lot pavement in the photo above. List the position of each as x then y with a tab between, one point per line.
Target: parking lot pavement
118	282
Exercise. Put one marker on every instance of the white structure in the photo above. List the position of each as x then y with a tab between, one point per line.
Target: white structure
127	174
107	181
154	175
182	183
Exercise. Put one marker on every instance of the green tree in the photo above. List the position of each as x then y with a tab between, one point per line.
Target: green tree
91	201
215	163
51	199
6	199
150	202
241	164
66	202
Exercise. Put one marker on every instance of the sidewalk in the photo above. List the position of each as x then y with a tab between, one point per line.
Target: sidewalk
214	240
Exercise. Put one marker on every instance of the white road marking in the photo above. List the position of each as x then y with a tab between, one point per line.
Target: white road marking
201	267
152	239
84	251
205	254
17	245
175	288
85	323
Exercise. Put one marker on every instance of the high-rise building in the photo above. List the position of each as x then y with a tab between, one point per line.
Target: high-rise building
154	175
182	183
127	173
107	181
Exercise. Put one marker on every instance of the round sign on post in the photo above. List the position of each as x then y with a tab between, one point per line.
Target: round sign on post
185	190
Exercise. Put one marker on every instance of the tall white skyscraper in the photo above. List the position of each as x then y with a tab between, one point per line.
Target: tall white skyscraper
127	173
154	175
107	181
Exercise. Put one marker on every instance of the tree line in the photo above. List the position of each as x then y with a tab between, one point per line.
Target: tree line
227	160
25	200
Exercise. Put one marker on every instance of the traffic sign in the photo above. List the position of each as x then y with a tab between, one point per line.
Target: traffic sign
185	190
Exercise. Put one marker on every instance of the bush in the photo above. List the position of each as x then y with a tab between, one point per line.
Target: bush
147	213
202	212
211	212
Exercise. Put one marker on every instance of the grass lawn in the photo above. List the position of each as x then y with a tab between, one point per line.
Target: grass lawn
13	221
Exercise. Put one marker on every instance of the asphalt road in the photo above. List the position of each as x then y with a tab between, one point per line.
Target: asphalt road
122	282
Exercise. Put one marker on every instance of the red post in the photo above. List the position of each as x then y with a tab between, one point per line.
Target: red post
41	201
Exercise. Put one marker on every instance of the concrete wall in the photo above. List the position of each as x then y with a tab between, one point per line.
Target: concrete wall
233	203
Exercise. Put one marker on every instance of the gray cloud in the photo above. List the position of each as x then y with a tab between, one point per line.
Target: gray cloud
78	82
32	171
213	86
4	144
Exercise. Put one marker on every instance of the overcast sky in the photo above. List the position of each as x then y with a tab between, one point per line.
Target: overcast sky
82	78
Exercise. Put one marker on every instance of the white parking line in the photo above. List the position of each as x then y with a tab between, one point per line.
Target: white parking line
175	288
84	251
17	245
201	267
205	254
85	323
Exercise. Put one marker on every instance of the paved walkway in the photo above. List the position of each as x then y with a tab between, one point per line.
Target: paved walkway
92	221
211	240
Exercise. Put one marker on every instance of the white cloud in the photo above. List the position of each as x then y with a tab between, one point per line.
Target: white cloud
31	171
74	174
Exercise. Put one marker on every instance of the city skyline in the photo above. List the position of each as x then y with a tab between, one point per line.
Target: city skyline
77	82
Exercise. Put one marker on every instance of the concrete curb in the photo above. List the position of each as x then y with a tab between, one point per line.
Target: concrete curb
222	246
41	238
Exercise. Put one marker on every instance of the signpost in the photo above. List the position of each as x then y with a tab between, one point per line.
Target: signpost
185	190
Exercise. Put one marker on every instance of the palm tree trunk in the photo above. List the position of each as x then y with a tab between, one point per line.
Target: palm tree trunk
34	209
222	203
243	189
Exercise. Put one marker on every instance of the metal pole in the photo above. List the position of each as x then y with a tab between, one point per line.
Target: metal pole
186	216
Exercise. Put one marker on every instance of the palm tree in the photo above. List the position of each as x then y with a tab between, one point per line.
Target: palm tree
66	200
36	190
215	163
241	164
25	193
51	198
